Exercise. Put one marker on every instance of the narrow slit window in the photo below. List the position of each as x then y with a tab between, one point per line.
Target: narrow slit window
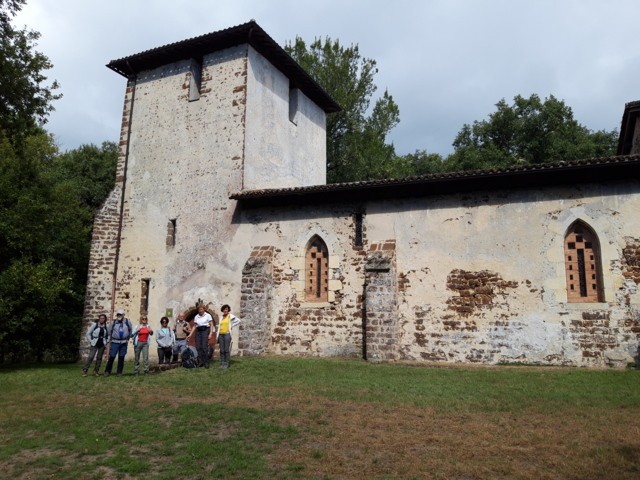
171	233
294	100
358	238
144	296
195	79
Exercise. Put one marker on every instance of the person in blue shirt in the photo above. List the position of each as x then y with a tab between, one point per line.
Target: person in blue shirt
119	333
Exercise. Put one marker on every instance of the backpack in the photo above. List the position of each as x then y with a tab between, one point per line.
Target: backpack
189	359
127	323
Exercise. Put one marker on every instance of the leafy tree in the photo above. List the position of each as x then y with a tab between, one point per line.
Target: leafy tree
47	201
356	137
422	163
530	131
25	98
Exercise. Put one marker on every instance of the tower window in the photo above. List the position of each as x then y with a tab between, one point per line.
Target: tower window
171	233
294	99
358	238
195	79
144	296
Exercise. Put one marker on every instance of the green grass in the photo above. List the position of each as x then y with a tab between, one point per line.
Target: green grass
292	418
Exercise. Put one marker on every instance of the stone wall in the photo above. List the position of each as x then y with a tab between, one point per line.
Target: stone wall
256	302
381	305
105	237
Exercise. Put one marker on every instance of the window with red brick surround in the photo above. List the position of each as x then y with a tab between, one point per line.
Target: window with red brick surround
582	264
317	271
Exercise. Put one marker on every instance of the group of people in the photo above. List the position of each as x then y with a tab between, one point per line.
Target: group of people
200	334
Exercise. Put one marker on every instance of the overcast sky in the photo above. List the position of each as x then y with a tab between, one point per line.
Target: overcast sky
446	62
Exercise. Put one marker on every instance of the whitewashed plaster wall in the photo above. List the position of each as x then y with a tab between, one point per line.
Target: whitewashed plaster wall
185	158
278	152
515	236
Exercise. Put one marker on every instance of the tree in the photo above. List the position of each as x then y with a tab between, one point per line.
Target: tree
47	202
356	138
25	98
423	163
530	131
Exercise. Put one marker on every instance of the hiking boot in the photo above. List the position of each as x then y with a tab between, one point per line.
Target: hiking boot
96	374
84	374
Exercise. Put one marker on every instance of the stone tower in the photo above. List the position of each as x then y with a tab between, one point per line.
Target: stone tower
203	118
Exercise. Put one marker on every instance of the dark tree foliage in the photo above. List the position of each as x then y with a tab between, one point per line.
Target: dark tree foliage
423	163
25	98
531	131
356	136
47	202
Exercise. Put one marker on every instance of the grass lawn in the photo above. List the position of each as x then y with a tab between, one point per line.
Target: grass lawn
289	418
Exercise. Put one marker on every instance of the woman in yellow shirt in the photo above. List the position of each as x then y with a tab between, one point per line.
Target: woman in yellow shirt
227	322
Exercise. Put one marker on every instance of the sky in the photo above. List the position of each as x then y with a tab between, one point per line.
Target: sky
445	62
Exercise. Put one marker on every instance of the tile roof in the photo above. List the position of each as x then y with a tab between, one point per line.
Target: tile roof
248	33
525	176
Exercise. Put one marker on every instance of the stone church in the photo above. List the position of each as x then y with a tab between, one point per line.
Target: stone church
221	196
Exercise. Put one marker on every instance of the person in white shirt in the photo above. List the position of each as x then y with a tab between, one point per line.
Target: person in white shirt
204	329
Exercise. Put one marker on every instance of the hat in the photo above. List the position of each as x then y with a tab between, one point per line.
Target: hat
120	312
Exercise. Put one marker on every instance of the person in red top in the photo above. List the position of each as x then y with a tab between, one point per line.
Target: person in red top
141	334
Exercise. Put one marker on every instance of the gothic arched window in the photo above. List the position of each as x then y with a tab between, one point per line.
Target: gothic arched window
582	264
317	271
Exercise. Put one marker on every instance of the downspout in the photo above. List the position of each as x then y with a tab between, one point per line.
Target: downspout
132	82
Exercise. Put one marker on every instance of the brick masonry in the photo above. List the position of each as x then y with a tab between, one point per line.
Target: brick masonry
256	302
105	239
381	305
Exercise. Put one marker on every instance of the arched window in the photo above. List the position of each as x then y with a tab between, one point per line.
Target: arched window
582	264
317	271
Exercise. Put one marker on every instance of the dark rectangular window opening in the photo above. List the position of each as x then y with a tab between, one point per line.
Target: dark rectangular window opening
195	79
144	296
319	278
572	245
294	105
358	237
582	274
171	233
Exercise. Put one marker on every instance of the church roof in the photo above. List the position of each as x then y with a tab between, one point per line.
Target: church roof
248	33
625	140
595	170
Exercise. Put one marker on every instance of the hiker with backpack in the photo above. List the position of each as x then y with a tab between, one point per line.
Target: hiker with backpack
119	335
98	337
181	330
